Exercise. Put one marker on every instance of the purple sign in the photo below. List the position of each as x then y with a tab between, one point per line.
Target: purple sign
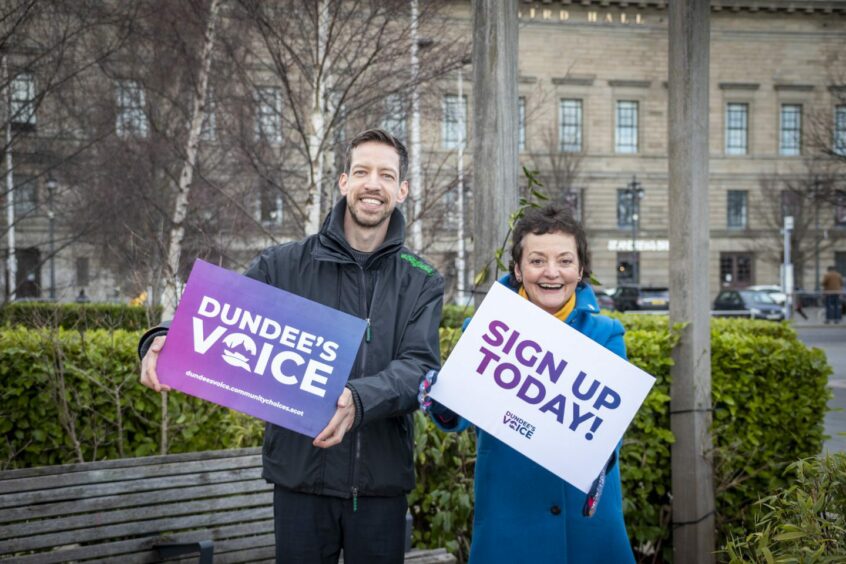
259	350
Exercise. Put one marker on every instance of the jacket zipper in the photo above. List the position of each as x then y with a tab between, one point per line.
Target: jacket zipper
362	364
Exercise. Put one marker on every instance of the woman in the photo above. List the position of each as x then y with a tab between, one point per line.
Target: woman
523	512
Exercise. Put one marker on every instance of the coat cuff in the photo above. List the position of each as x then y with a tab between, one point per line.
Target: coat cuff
359	409
147	340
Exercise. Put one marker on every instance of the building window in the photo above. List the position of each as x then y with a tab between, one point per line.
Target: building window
28	282
23	101
455	121
26	195
840	262
625	133
209	129
840	210
571	200
131	114
790	131
394	120
736	211
521	124
791	204
269	114
737	129
840	130
82	274
570	126
627	208
736	270
270	205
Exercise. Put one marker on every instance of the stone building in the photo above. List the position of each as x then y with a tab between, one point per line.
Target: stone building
593	120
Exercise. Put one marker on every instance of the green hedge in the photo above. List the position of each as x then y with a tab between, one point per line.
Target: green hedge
454	315
805	522
83	317
71	395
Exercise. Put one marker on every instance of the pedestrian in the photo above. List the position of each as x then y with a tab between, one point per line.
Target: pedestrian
832	285
346	489
523	512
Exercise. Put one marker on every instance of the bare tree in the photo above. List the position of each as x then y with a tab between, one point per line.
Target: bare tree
180	209
330	64
809	196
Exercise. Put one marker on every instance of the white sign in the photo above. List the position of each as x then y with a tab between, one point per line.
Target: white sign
641	245
541	387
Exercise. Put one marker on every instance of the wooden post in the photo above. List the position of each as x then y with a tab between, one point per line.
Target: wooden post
494	128
690	414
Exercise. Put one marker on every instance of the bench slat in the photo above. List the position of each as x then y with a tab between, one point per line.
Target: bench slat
128	462
142	547
60	481
228	498
134	528
31	498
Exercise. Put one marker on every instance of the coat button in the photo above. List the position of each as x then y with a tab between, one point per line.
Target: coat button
555	510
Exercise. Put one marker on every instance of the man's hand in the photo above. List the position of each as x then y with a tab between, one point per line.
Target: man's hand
340	423
148	366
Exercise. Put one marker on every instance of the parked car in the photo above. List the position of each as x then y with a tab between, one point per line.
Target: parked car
747	303
628	298
774	291
604	299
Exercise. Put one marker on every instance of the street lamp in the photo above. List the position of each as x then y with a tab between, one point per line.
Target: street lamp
634	191
51	191
815	192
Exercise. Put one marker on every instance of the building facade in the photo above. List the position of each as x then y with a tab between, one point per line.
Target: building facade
592	110
593	121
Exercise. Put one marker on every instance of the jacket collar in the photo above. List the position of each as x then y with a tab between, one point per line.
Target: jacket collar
585	298
333	241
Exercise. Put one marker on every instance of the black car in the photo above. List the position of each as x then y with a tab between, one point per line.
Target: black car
627	298
747	303
604	300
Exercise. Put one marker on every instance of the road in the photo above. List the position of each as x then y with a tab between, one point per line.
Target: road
832	340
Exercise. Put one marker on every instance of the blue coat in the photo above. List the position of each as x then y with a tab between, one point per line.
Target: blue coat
523	512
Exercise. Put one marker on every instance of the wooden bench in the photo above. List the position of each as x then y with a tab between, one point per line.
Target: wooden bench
145	510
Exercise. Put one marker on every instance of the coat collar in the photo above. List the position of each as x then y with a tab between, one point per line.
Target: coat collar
585	298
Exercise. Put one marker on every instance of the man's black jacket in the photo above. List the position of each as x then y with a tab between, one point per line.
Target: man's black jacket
400	345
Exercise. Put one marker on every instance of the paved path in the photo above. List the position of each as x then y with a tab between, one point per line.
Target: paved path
832	340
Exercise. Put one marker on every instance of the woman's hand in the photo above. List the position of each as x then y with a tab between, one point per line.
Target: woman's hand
426	383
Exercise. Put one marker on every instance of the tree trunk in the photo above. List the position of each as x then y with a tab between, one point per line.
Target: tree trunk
170	295
318	124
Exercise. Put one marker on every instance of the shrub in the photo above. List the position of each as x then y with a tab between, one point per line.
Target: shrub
805	522
71	396
453	315
79	316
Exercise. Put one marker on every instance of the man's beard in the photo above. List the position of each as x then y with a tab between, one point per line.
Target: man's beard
368	221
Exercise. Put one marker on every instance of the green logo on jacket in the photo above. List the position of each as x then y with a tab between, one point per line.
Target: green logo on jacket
417	263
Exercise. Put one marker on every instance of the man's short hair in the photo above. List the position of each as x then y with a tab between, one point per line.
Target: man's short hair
379	136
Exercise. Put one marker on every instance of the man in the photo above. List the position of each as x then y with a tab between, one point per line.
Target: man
832	284
346	488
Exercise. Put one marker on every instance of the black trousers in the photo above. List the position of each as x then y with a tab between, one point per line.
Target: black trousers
315	528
